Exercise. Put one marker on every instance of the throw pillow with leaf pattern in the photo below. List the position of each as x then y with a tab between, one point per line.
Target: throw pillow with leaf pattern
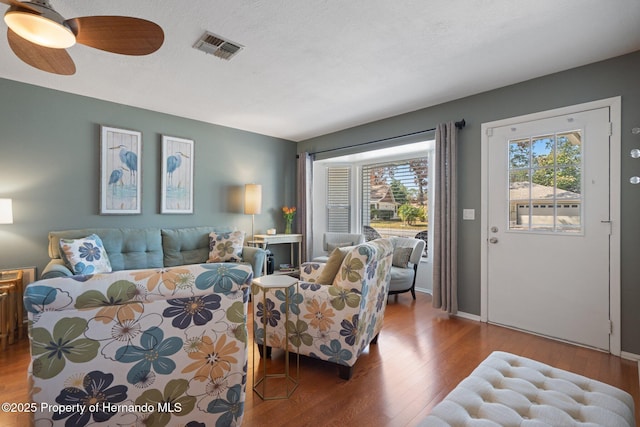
226	247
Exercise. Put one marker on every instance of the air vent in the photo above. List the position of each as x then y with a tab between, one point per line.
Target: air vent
217	46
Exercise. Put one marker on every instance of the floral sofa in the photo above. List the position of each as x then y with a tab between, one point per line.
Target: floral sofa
334	319
158	347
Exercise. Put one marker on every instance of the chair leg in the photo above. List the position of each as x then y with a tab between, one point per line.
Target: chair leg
261	351
413	285
345	372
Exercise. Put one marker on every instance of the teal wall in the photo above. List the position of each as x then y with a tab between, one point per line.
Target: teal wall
50	163
615	77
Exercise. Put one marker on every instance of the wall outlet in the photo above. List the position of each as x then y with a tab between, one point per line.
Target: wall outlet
469	214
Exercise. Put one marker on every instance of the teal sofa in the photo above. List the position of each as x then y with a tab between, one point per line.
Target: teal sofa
141	248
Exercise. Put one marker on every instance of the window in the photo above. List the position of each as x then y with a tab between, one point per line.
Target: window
543	172
339	199
395	197
386	191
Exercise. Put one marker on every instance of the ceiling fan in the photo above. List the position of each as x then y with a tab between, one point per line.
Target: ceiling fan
39	35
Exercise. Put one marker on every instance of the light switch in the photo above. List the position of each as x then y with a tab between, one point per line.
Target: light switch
469	214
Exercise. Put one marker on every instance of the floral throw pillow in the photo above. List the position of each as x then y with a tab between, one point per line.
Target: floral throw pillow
226	247
85	256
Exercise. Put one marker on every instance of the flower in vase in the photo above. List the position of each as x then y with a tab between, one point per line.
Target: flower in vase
288	213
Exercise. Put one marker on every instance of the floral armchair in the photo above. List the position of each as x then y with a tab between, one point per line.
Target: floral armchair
134	347
335	321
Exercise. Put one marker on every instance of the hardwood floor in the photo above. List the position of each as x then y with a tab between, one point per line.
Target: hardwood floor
421	355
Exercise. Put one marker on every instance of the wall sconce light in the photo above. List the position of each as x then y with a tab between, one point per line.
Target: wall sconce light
6	211
252	202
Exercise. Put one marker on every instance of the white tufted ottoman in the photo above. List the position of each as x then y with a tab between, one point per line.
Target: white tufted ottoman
509	390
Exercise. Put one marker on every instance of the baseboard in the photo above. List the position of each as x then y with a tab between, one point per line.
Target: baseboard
468	316
630	356
459	314
474	317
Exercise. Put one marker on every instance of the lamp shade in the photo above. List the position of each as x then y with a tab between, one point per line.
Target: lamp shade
6	211
252	199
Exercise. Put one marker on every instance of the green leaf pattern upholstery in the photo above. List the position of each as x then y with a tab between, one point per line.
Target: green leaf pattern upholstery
144	340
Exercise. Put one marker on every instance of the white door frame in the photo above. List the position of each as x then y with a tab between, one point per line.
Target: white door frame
615	108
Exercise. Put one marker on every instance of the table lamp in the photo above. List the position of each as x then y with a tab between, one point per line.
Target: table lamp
252	202
6	211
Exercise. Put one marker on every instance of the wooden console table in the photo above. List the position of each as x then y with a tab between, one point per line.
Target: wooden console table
264	240
11	308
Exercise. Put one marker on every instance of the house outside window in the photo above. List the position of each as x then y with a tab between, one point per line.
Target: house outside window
385	192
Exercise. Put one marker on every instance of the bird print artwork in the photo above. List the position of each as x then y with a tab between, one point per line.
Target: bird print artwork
128	159
120	163
115	178
177	183
173	163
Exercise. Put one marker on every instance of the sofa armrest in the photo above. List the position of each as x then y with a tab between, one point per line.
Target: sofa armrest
310	271
256	258
55	268
416	254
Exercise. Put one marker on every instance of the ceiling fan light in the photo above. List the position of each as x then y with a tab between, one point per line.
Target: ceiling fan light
39	29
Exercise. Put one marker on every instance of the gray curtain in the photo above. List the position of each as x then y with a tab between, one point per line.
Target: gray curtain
304	184
445	261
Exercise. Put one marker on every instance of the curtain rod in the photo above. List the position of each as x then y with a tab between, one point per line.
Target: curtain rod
459	125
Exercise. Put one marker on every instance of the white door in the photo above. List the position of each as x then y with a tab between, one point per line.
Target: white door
548	220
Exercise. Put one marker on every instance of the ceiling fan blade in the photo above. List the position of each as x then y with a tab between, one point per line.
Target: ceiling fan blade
21	5
55	61
118	34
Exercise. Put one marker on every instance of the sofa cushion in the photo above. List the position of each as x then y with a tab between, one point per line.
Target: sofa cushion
127	248
225	247
189	245
86	255
184	246
401	279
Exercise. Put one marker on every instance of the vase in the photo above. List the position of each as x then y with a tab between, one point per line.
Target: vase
287	226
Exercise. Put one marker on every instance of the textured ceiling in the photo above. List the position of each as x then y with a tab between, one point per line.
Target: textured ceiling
315	67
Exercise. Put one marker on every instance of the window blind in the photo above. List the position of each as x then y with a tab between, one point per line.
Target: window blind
339	199
389	185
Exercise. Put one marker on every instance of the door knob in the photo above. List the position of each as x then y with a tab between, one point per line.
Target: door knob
493	240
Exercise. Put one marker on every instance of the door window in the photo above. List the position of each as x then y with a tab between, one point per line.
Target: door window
545	183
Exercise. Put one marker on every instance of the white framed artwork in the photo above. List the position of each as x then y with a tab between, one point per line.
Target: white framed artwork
176	191
120	171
